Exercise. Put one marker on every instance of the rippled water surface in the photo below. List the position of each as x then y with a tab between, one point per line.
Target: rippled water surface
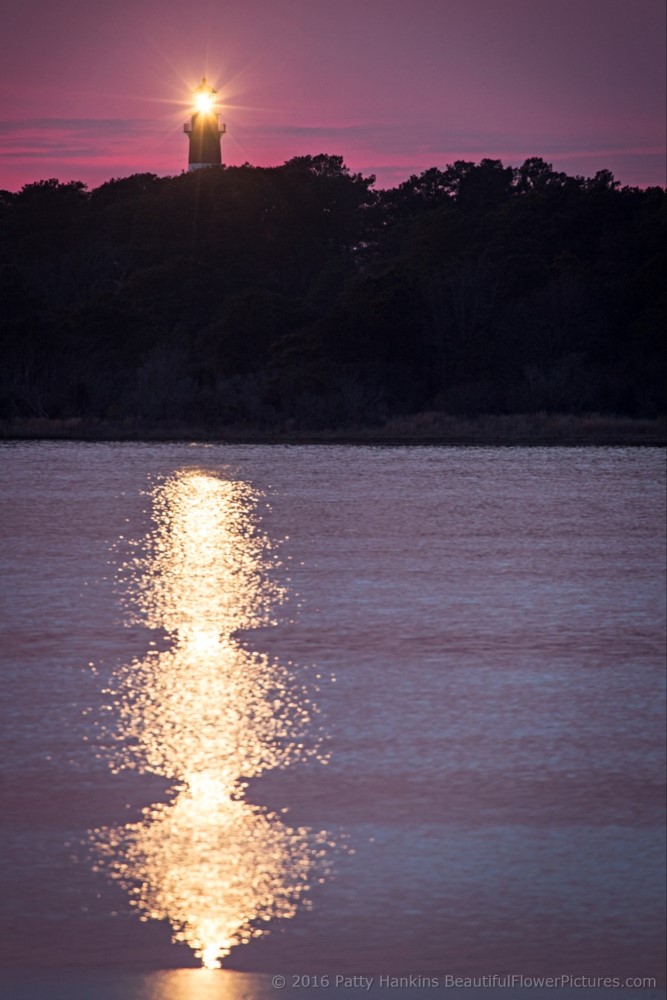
329	711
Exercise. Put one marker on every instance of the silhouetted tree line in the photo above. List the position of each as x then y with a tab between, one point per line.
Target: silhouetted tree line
300	296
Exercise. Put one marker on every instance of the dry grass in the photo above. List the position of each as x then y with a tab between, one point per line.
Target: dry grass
420	428
529	428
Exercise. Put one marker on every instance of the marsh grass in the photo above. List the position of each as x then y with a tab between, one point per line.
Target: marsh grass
421	428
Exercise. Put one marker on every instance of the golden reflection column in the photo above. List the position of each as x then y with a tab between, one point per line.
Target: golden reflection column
208	713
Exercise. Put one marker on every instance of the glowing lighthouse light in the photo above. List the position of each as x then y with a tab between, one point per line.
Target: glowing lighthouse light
205	100
204	129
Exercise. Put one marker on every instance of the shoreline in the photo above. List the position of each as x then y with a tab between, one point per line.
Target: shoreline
538	429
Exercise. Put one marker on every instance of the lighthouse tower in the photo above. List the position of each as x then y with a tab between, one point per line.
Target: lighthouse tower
204	129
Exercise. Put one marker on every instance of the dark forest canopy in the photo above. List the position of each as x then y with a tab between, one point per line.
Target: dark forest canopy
298	295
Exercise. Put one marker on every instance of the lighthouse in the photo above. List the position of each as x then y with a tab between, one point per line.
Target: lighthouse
204	129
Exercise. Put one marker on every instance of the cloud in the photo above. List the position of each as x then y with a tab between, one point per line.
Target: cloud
88	149
75	124
93	149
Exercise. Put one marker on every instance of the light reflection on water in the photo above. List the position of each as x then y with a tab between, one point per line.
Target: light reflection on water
207	713
201	984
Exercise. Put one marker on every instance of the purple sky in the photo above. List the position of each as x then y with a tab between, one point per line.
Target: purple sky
93	89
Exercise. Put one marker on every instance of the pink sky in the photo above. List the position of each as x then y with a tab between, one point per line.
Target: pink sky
91	90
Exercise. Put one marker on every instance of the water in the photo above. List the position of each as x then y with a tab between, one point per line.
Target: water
446	664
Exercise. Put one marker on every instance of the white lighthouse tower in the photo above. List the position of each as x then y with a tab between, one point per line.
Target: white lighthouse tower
204	129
